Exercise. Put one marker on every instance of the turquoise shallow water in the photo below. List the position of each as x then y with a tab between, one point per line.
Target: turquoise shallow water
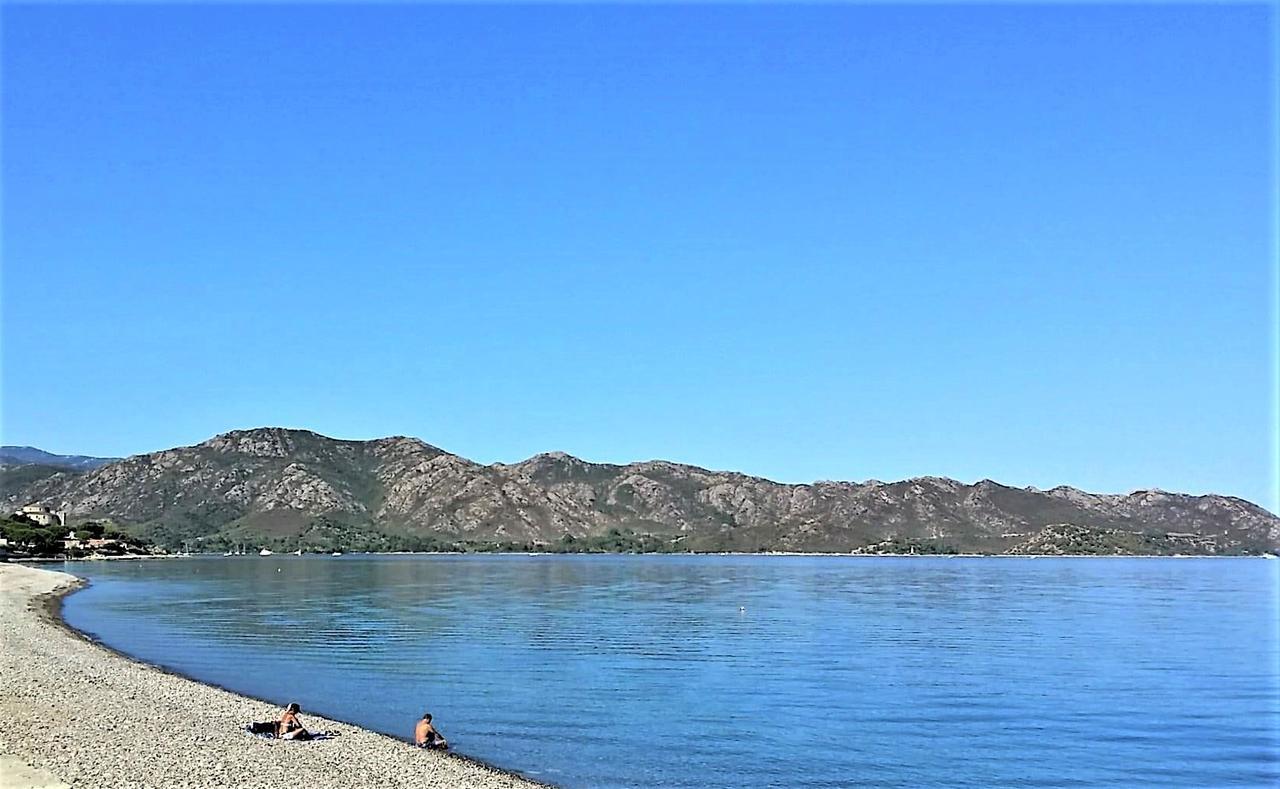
745	671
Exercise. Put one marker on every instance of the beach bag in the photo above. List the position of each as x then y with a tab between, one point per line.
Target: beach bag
267	728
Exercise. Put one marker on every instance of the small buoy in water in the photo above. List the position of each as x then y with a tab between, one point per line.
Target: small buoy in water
742	609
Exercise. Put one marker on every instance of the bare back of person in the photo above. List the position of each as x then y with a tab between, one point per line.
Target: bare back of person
290	726
426	736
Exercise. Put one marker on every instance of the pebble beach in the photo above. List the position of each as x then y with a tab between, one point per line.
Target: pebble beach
75	714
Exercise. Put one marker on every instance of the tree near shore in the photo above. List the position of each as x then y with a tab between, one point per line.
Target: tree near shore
29	538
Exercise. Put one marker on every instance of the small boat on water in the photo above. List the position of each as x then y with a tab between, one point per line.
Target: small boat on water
298	552
264	552
336	553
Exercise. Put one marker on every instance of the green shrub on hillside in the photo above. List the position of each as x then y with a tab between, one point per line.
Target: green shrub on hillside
37	540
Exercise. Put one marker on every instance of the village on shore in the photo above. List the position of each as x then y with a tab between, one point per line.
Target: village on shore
37	531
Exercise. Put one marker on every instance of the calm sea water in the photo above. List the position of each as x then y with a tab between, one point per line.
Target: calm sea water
733	671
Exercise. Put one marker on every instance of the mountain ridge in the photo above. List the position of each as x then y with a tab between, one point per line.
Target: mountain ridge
282	486
25	455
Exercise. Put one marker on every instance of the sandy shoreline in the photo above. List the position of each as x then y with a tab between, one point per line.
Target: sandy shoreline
91	718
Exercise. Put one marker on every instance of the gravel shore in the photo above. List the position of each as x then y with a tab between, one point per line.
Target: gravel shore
96	720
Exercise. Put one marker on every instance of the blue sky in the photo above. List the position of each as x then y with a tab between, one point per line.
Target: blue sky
1032	244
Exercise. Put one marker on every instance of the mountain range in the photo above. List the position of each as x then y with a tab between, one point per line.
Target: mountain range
22	456
285	488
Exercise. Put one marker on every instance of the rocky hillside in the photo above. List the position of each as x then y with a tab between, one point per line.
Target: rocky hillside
293	488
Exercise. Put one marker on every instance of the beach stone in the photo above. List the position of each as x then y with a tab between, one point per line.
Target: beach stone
14	774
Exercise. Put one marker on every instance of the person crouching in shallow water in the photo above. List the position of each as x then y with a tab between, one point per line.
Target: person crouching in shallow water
289	727
426	736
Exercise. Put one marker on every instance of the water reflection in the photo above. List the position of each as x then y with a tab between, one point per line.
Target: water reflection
684	671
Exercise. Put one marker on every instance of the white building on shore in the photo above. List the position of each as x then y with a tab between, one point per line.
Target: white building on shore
42	515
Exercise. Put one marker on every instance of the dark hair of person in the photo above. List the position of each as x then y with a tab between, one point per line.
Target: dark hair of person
293	707
426	716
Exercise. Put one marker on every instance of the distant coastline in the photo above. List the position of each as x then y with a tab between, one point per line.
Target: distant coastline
40	560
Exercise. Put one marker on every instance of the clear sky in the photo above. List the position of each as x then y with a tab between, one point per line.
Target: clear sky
1032	244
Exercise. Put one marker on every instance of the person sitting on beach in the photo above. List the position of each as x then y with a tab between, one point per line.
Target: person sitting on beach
426	736
289	727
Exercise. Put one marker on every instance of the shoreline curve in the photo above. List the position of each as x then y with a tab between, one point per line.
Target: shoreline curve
94	716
